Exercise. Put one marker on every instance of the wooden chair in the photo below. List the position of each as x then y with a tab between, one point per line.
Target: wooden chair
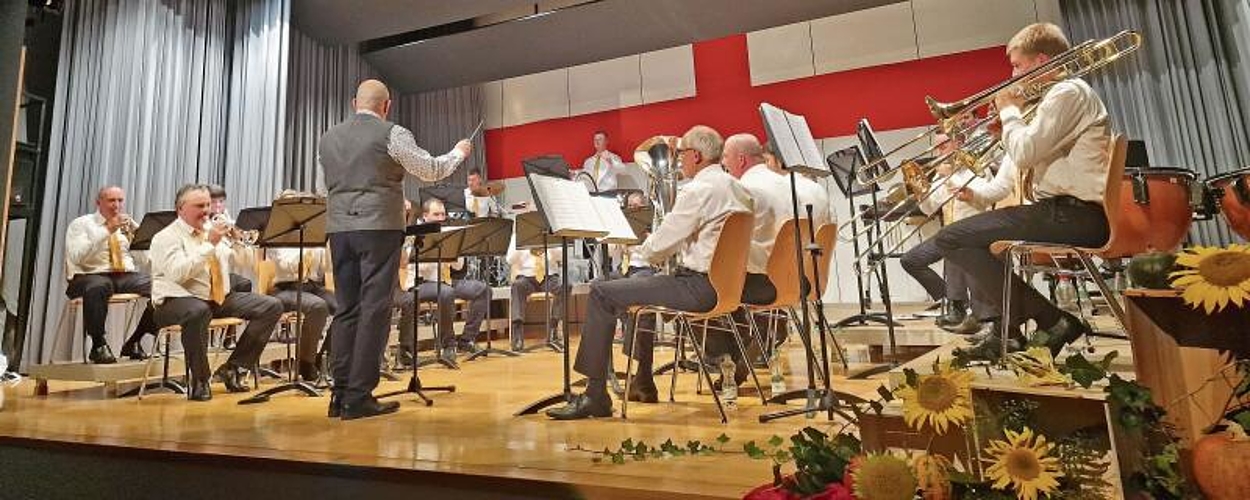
1116	245
727	275
783	271
72	312
166	334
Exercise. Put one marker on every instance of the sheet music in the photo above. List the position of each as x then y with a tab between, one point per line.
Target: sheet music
568	207
613	219
793	140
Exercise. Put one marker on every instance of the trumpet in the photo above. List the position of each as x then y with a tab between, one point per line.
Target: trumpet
234	232
129	227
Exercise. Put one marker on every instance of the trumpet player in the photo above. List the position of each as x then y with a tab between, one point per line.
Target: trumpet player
98	264
1062	155
219	213
534	270
190	262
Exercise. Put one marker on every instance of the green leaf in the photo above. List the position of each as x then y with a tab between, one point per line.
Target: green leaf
911	377
722	439
1083	372
618	458
628	445
694	446
752	450
1242	419
775	441
783	457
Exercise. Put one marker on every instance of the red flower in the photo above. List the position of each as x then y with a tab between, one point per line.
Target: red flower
835	491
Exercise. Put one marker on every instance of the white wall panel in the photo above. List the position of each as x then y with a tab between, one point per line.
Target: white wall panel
1048	12
492	100
605	85
668	74
946	26
780	53
536	97
870	37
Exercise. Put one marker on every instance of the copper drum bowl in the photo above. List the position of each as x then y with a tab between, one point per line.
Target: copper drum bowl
1232	194
1154	211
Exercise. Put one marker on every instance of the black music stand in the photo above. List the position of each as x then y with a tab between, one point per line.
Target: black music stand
297	222
431	245
152	223
439	248
844	163
487	237
532	232
451	196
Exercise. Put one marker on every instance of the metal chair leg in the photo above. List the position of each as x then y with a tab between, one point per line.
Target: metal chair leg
698	353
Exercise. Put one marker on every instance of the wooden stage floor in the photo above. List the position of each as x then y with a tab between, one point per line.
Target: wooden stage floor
471	432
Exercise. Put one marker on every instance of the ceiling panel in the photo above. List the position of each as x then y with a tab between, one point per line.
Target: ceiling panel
340	21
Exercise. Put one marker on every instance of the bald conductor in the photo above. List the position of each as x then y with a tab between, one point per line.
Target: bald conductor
364	160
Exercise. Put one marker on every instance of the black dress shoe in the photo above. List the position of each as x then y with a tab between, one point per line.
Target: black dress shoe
230	377
582	407
518	344
989	347
969	326
404	358
134	351
1062	333
956	312
467	347
370	407
101	355
643	392
200	391
308	371
336	406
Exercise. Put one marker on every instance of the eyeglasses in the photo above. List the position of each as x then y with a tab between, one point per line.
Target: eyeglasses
684	150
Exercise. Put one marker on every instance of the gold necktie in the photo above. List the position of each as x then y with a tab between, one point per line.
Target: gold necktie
115	253
625	261
216	279
598	159
308	265
540	266
473	206
445	273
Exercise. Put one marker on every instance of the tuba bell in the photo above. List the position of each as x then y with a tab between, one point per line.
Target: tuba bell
657	157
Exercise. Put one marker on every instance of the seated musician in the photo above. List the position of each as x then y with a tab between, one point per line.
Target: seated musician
191	259
534	270
1062	152
479	206
691	230
428	276
98	264
810	192
308	288
631	264
241	279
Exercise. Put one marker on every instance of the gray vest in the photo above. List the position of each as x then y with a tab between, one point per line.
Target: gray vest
365	184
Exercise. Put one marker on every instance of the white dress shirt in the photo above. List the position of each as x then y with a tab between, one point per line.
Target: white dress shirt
1065	145
87	247
479	206
636	259
286	264
609	166
524	262
180	262
771	192
693	227
986	193
810	193
404	150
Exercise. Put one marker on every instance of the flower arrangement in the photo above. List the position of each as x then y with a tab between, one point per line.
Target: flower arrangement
1213	277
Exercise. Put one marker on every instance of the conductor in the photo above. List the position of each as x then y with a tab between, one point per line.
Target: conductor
364	160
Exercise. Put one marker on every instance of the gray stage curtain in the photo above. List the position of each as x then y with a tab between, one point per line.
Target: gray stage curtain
438	120
1186	92
152	94
320	86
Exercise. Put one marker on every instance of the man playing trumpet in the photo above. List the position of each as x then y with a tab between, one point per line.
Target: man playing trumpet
98	264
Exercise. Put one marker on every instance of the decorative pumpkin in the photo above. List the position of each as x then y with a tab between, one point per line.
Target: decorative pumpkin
932	474
1150	270
1221	461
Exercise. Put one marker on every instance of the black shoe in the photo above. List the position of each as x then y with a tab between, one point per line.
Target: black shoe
644	391
199	391
1062	333
969	326
134	351
582	407
956	312
405	359
989	347
308	371
228	342
448	355
518	344
101	355
370	407
336	406
467	346
230	377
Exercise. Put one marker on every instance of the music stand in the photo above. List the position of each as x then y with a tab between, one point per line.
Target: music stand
487	237
532	232
549	165
154	222
871	151
452	197
297	222
431	245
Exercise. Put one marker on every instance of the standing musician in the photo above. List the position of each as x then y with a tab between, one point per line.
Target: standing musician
307	286
602	166
1062	154
691	230
364	160
191	260
530	274
98	264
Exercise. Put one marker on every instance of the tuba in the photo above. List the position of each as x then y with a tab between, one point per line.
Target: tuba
658	158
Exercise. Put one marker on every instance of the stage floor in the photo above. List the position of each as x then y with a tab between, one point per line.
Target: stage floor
470	432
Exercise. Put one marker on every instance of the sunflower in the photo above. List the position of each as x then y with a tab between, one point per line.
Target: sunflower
1024	463
1212	277
884	477
939	399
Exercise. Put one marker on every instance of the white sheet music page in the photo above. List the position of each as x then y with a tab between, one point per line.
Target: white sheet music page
568	207
613	219
778	126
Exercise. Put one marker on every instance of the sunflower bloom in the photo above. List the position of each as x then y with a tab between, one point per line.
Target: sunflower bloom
884	477
1213	277
1025	464
940	399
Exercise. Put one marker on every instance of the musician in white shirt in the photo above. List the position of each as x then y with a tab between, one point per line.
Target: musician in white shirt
240	279
602	166
307	286
438	282
691	230
1063	156
98	264
190	263
534	270
810	192
479	206
631	263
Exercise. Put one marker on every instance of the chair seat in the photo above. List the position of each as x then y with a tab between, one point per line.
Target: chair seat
215	323
1051	249
539	296
116	298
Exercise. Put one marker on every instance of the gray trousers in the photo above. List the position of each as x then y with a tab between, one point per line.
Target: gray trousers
609	300
757	290
317	304
193	314
365	266
476	293
523	286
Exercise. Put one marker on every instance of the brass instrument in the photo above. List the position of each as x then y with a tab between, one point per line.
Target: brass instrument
129	227
234	232
657	157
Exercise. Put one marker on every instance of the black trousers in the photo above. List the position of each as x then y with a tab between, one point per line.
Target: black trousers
95	289
954	285
317	304
1064	219
523	286
609	300
192	313
366	264
757	290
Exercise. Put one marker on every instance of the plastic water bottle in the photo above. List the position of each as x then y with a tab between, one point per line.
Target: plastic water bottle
1065	295
777	380
728	385
1087	305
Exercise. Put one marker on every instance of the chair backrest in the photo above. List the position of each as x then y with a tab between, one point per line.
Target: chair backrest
728	272
1117	154
782	270
265	271
826	238
329	270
